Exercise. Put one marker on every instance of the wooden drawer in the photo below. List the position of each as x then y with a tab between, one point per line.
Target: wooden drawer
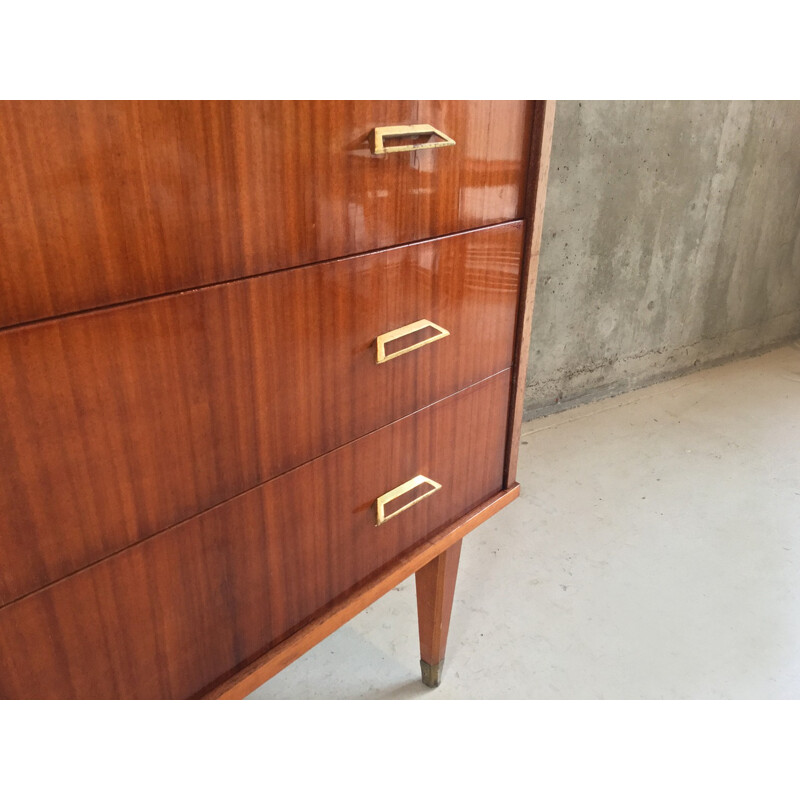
172	615
116	424
105	202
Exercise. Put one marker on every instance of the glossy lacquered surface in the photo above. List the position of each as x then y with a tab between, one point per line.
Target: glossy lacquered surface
541	141
336	614
104	202
118	423
174	615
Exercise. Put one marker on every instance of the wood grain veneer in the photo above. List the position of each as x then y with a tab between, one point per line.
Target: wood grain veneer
118	423
104	202
189	474
174	614
252	675
541	142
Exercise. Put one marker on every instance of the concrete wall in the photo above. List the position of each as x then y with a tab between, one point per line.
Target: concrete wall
671	242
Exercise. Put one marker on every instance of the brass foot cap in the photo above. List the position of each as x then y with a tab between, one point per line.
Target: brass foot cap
432	673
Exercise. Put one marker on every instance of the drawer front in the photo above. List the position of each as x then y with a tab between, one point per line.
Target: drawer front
116	424
170	616
105	202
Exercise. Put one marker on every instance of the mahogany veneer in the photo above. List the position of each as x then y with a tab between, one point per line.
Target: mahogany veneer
169	616
196	440
111	201
137	417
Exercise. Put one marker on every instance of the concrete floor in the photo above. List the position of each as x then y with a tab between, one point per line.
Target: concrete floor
654	553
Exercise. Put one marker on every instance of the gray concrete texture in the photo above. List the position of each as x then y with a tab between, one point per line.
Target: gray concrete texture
671	242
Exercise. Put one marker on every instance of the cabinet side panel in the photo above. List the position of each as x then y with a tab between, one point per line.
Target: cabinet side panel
541	140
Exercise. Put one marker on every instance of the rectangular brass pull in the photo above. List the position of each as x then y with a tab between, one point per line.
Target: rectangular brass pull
384	499
407	330
380	135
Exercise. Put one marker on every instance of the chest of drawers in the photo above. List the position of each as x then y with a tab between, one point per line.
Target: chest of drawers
259	362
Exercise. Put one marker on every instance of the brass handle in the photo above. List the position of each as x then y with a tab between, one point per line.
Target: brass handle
406	330
381	502
379	147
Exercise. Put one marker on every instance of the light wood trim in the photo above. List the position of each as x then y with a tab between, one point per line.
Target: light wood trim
252	676
541	141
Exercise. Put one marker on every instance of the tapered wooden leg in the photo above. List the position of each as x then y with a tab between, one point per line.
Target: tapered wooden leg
436	585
